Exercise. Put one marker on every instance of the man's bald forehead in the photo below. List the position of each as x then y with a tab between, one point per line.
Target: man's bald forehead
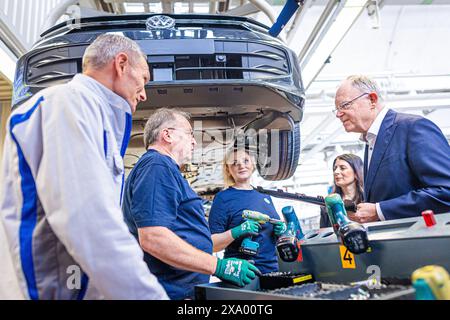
346	87
345	84
181	119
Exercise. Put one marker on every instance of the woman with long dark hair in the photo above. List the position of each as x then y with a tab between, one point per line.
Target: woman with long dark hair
347	182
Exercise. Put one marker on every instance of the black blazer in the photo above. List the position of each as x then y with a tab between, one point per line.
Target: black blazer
324	219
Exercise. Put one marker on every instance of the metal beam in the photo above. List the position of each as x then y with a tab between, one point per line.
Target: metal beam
11	41
147	7
167	6
298	18
244	10
5	111
326	13
120	8
265	8
212	7
7	65
57	12
338	24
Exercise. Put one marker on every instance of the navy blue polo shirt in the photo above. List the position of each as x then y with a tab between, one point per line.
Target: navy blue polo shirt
156	194
226	213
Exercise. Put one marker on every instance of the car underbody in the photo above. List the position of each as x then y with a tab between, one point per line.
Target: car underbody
241	86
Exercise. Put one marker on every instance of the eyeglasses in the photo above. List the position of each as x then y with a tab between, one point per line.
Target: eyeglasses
235	163
189	132
347	105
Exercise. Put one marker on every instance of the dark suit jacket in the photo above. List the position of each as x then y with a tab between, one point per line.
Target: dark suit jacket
324	218
410	167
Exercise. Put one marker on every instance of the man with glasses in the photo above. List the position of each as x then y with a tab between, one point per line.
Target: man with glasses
406	160
166	216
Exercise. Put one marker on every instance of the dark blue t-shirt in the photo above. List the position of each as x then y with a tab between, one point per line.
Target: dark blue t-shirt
156	194
226	213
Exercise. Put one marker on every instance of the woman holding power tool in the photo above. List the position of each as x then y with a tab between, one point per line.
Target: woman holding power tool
229	228
348	183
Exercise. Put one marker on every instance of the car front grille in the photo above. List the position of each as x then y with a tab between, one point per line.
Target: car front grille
227	60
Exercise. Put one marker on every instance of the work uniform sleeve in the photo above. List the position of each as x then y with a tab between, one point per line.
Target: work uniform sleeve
218	217
429	159
9	286
155	197
76	190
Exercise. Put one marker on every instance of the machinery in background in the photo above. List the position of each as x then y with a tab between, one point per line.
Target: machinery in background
352	234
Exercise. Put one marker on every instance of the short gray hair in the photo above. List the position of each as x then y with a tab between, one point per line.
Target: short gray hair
160	118
106	47
365	84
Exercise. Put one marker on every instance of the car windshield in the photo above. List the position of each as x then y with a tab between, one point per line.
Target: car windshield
181	32
88	34
194	33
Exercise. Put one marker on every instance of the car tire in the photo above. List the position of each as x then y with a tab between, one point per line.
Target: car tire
278	160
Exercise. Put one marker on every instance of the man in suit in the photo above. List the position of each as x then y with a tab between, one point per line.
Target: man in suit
407	158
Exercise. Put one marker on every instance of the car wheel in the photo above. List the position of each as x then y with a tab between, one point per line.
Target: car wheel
278	155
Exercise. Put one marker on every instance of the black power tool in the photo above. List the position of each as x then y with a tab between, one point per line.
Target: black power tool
288	243
352	234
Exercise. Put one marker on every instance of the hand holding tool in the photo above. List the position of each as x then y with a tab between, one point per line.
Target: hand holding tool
248	246
236	271
353	235
248	227
288	242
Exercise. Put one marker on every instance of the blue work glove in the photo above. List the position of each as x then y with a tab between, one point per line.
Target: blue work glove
237	271
279	228
248	228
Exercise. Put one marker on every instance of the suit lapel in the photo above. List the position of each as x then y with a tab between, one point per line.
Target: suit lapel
383	139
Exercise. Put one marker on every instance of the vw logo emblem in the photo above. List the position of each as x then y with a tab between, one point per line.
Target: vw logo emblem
159	22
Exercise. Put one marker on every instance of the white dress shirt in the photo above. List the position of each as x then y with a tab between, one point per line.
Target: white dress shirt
370	138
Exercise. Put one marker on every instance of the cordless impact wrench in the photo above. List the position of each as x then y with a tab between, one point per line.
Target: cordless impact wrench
353	235
248	246
288	243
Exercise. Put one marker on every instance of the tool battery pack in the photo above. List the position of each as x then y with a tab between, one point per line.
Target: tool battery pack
276	280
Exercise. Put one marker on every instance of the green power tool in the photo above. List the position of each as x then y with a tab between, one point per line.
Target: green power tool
352	234
248	246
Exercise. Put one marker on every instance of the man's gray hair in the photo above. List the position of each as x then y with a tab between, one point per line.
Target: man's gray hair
106	47
159	120
365	84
